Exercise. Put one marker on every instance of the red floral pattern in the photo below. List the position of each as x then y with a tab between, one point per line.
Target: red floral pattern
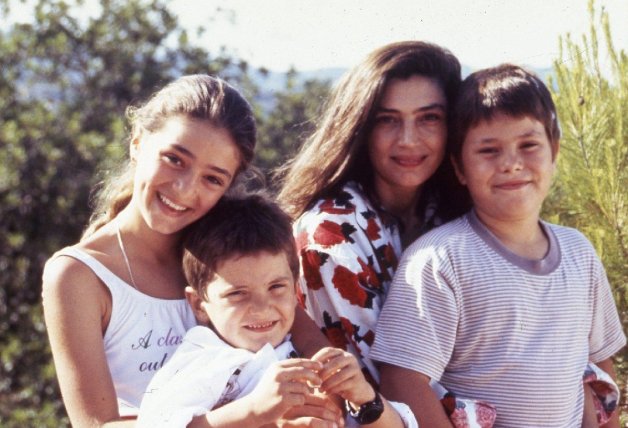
329	233
346	289
347	283
311	262
331	206
368	277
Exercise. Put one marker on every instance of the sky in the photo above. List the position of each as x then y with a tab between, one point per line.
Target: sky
316	34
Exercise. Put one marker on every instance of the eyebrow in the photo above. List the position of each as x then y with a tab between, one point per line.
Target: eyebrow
432	106
524	135
188	153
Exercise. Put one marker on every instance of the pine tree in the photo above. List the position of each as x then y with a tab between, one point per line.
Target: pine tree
591	192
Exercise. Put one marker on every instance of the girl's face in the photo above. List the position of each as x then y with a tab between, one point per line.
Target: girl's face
407	143
182	170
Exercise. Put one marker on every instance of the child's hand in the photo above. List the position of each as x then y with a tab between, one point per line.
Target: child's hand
286	384
319	411
341	374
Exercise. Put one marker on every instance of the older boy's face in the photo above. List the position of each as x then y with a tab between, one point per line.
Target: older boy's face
251	300
507	165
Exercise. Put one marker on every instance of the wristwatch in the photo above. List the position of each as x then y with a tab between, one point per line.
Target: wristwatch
368	412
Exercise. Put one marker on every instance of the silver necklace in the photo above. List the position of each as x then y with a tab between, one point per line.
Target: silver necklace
126	259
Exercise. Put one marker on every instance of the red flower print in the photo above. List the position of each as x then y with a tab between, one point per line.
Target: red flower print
459	418
336	337
329	233
369	337
368	276
485	414
329	206
346	282
311	262
372	229
347	326
301	240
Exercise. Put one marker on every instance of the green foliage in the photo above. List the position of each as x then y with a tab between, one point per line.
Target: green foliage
291	120
65	81
590	192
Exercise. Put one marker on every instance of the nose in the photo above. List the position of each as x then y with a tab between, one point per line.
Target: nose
258	304
409	133
185	184
511	161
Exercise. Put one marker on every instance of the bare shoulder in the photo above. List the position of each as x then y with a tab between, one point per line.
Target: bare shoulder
68	284
65	276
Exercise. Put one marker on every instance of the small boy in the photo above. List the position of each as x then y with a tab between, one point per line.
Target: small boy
241	265
499	305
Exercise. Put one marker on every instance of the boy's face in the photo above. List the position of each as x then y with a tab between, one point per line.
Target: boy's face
250	302
507	165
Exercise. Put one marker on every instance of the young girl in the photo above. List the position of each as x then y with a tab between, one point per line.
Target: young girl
114	303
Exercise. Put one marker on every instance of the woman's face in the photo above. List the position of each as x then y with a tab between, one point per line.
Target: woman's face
182	170
407	143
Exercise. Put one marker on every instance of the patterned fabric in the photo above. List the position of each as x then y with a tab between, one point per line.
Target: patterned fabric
491	325
349	252
605	392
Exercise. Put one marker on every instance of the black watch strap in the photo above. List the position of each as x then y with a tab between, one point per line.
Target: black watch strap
368	412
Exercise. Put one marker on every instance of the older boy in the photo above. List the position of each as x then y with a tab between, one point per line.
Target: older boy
498	304
241	265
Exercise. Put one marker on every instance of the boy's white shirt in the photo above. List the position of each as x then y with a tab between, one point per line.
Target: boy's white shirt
196	376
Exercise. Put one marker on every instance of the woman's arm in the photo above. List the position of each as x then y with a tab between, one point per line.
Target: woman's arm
75	306
413	388
306	336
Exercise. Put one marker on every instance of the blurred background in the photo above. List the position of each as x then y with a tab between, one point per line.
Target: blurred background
69	69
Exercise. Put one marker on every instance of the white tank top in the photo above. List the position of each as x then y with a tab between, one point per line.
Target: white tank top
142	334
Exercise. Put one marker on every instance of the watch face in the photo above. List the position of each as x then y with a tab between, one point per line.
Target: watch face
369	412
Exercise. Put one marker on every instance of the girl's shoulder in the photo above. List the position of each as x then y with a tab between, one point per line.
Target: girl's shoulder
70	275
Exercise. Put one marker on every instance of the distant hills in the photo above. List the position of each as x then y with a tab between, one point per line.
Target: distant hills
274	81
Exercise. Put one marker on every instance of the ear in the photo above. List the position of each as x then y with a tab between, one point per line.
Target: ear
196	303
458	170
555	150
134	146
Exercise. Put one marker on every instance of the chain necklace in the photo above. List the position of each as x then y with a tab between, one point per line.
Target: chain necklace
126	259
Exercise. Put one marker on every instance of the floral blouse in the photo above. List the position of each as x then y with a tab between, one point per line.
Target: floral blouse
349	252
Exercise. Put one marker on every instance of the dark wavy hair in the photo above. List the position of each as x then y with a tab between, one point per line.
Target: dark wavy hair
337	151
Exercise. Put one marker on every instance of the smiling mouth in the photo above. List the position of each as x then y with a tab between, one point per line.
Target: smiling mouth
513	185
409	161
171	204
261	326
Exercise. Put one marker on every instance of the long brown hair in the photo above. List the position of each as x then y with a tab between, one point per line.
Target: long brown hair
336	152
197	96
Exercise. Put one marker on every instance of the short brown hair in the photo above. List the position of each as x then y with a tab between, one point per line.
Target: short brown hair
507	89
236	226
